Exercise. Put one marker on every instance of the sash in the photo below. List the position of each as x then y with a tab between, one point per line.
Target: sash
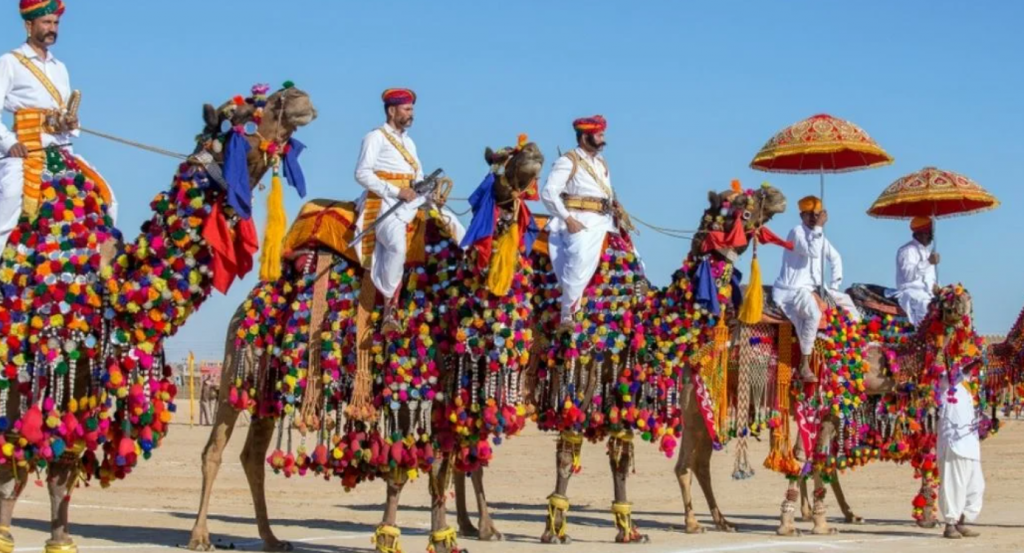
40	76
401	150
593	174
371	209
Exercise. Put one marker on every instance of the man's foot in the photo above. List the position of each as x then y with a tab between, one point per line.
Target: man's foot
951	533
806	374
391	324
964	530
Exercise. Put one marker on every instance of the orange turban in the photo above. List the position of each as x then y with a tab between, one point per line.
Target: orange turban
809	203
590	125
398	97
920	224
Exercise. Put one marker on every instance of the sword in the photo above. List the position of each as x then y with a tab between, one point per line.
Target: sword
422	188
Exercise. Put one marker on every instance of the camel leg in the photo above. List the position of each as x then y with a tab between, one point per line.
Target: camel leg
386	537
60	483
703	470
466	528
787	524
805	502
442	536
254	453
844	506
684	473
568	449
213	454
620	459
11	486
820	510
487	530
929	519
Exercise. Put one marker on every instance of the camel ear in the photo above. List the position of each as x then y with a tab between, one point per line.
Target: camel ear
714	199
210	116
489	155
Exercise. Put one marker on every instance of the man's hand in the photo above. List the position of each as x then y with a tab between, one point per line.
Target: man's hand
407	194
934	258
18	150
70	122
573	225
822	218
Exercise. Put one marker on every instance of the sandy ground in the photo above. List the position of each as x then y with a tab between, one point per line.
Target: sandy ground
153	510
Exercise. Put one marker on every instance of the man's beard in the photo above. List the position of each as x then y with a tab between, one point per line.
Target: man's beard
597	146
406	123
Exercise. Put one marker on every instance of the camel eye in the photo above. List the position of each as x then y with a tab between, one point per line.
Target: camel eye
747	215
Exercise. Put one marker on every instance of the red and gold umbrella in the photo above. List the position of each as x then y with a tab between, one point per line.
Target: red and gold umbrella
932	192
820	144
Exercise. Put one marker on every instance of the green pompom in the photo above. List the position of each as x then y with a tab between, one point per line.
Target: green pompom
288	84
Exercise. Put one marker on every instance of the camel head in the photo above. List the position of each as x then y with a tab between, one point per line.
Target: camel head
953	307
751	209
266	122
518	170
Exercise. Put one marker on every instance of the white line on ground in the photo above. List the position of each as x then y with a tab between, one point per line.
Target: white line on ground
795	544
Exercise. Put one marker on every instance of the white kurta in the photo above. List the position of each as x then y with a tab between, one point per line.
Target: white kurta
575	257
959	451
378	154
20	89
800	276
915	278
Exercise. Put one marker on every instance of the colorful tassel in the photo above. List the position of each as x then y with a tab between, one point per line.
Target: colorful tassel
273	236
753	304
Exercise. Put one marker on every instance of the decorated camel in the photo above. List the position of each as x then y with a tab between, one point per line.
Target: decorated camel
877	398
306	354
85	391
619	372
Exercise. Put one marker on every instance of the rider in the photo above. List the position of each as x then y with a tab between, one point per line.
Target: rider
800	276
915	270
34	86
387	168
584	210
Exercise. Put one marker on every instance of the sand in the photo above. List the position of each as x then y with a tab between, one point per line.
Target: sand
154	509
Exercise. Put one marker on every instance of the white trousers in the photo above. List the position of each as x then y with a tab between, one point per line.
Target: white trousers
915	302
962	487
575	258
12	184
802	310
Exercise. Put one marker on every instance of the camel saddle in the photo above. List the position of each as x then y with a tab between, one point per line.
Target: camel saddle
331	225
870	299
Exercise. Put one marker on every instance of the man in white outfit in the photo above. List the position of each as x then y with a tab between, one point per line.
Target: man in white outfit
801	275
959	451
35	88
579	195
915	271
387	168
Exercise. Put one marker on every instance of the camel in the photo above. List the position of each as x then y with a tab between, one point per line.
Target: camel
731	219
90	380
335	395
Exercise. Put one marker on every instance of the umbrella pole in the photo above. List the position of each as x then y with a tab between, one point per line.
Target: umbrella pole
935	244
821	194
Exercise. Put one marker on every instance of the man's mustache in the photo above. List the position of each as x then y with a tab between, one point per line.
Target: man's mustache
50	35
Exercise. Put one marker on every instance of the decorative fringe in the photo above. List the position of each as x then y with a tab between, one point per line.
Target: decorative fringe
361	406
781	458
753	304
273	236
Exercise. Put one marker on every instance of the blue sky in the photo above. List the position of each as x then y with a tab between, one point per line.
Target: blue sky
691	91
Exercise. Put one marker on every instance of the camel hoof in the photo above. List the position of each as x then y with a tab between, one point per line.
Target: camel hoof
277	545
854	519
467	530
491	534
695	529
726	526
927	524
788	532
824	531
553	539
634	537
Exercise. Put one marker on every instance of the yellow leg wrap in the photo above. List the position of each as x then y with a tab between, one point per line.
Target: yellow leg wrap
558	504
385	539
6	540
63	548
623	513
444	537
575	441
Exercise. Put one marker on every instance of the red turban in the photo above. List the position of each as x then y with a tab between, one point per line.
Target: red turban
921	224
34	9
398	97
590	125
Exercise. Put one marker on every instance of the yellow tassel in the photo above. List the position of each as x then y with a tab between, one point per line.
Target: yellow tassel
753	305
504	262
273	236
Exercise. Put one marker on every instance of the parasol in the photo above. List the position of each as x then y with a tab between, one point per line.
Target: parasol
932	192
820	144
